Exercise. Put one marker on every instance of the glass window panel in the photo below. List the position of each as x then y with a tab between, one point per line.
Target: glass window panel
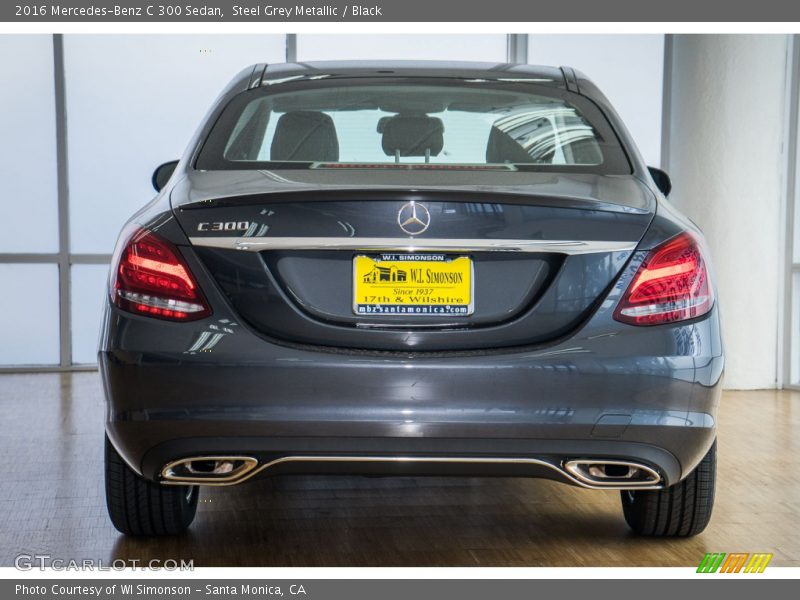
629	69
491	48
133	102
88	300
28	144
796	235
794	368
499	126
29	314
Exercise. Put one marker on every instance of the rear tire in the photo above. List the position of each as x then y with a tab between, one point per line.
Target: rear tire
140	507
682	510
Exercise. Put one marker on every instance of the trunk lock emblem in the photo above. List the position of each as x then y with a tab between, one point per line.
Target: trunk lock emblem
413	218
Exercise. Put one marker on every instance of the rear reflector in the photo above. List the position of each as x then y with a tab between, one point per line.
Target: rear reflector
672	284
150	278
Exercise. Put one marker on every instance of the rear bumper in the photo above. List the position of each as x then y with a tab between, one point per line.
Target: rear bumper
644	394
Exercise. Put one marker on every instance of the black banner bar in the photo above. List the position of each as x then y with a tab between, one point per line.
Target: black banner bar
395	11
705	586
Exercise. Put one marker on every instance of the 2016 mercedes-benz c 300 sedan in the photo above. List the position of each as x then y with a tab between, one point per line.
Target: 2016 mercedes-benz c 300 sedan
411	268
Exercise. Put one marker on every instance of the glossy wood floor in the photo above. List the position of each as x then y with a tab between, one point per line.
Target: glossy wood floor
51	501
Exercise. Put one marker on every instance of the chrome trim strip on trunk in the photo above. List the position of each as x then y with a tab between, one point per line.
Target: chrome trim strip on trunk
257	244
566	474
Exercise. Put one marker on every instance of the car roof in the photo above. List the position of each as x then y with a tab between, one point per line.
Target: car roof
278	73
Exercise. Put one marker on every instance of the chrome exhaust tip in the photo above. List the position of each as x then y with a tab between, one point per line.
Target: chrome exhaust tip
617	474
208	470
587	473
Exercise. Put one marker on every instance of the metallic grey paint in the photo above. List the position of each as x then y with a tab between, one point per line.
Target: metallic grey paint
281	369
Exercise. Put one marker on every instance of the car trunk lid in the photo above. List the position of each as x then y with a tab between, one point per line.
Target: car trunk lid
294	256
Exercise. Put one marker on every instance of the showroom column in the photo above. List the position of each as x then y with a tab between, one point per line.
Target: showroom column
727	134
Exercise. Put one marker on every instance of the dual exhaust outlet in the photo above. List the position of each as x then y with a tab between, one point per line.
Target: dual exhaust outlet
587	473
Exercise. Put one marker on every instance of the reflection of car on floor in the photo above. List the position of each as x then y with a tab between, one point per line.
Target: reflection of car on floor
573	335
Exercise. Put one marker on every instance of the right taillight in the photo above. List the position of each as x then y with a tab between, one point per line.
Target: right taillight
672	284
151	278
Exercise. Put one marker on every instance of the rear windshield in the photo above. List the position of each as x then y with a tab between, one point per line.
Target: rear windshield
380	124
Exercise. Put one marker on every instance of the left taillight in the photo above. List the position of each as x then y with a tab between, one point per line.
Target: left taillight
151	278
672	284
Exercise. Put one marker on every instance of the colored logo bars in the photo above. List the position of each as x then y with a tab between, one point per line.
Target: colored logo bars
737	562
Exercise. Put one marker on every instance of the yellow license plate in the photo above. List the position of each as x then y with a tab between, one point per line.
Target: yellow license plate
417	284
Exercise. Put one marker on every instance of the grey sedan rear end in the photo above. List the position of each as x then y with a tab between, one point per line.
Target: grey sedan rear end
411	268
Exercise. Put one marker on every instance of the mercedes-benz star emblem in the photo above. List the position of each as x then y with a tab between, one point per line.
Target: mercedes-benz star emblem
413	218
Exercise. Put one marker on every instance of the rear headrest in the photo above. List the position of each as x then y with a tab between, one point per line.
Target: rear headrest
305	135
412	135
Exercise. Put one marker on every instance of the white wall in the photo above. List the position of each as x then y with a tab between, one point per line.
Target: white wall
29	314
28	146
133	102
28	292
490	48
629	69
726	164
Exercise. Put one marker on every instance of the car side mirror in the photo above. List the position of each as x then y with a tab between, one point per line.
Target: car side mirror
661	179
162	174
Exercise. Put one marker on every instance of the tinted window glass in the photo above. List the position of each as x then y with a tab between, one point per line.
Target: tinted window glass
412	123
